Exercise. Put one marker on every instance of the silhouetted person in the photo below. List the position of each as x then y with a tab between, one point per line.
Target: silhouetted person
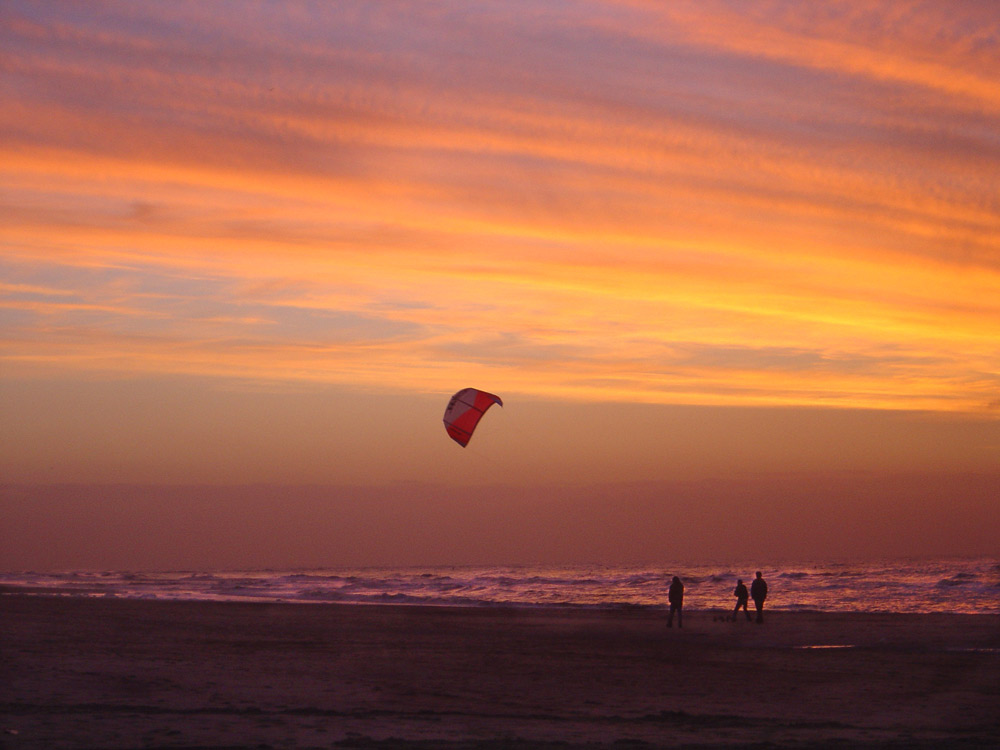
758	592
742	597
676	598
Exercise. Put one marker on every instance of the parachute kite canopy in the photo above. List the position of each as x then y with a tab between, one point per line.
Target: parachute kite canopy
464	411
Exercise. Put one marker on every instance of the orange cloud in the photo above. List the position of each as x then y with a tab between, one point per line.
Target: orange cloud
729	206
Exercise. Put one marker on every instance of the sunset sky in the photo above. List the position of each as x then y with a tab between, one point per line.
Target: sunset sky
733	267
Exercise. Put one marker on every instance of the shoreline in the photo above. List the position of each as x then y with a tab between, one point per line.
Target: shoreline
82	593
714	613
84	672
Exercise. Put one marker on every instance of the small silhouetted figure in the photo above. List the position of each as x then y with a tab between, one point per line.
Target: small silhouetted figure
676	598
758	592
742	597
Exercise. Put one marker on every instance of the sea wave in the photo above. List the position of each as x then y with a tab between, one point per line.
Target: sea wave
968	586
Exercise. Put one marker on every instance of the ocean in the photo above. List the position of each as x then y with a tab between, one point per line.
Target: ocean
970	586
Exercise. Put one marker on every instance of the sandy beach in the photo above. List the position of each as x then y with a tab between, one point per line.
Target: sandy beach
111	673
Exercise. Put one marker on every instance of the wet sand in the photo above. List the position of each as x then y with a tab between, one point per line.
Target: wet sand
87	673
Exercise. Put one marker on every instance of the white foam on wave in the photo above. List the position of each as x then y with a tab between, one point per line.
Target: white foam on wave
885	586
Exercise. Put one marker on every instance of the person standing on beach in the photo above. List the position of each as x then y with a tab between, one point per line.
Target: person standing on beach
758	591
676	598
742	597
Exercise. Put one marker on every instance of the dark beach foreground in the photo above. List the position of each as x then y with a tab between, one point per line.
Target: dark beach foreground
109	673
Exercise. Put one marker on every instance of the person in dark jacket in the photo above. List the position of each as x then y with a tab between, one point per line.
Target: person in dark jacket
742	597
676	598
758	592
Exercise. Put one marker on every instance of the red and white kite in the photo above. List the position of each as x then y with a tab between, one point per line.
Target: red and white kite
464	411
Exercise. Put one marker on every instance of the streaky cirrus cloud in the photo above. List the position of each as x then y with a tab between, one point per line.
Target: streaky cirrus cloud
680	203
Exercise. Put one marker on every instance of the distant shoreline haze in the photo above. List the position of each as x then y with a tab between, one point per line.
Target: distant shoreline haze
833	517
